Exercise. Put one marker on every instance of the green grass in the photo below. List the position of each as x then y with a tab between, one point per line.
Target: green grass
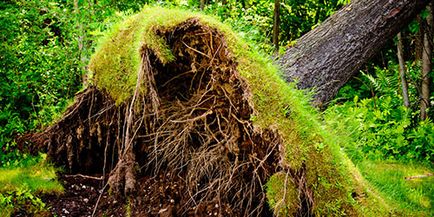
409	197
21	185
37	178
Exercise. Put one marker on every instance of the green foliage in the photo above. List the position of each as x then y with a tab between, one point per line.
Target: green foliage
300	16
20	200
45	47
38	67
422	141
253	19
381	127
254	22
344	2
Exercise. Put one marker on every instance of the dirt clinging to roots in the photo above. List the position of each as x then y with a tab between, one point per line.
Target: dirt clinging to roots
187	121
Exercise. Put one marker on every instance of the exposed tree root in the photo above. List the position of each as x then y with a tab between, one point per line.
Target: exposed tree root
188	120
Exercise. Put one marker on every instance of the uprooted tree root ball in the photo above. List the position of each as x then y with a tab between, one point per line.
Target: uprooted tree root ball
179	110
192	122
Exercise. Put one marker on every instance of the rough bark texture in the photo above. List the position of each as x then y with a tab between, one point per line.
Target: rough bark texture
426	64
328	56
276	25
419	39
402	71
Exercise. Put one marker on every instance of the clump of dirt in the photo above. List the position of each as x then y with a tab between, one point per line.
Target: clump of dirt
182	145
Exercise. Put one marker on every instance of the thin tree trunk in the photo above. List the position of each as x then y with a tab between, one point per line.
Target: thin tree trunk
276	25
202	4
419	39
426	64
402	71
328	56
80	40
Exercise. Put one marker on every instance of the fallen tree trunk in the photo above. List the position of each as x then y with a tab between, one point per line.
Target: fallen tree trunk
327	57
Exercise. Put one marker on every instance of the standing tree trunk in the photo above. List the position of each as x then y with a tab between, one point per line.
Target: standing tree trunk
327	57
276	25
426	64
202	4
419	39
80	42
402	71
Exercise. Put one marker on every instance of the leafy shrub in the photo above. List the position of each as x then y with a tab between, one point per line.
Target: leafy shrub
39	66
380	127
46	46
20	201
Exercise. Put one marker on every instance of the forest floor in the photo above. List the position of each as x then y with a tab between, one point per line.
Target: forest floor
158	196
409	188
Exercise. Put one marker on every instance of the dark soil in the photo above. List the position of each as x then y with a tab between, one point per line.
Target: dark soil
156	196
79	197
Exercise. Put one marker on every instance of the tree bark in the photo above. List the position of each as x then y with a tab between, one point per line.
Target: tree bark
328	56
202	4
419	39
276	25
402	71
426	64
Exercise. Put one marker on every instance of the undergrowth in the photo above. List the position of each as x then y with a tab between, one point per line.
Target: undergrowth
386	140
377	126
22	185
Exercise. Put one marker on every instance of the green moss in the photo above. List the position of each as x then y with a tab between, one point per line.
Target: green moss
284	203
277	105
305	140
115	64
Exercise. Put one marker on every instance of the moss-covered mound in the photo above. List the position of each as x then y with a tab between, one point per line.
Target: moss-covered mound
177	96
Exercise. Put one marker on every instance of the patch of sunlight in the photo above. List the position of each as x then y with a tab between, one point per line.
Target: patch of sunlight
39	177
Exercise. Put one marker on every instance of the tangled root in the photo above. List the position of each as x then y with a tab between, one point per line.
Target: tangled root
191	123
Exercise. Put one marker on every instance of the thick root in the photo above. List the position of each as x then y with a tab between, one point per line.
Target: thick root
122	178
